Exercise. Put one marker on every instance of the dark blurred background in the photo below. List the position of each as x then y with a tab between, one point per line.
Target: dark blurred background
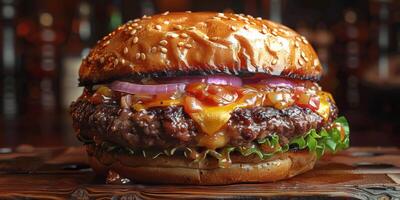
43	41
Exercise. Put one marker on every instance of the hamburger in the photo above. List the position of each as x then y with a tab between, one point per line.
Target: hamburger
204	98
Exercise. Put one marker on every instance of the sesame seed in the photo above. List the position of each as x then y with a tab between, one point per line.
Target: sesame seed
258	18
106	43
125	50
220	15
136	20
178	27
135	24
180	44
129	28
116	62
144	16
166	22
264	31
131	66
216	18
188	11
158	27
102	60
233	19
206	37
274	61
163	42
135	40
188	46
214	38
137	56
252	23
142	56
302	54
133	32
265	26
316	62
163	50
233	28
184	35
139	27
246	27
296	44
165	13
173	35
301	62
249	16
243	18
274	32
298	39
122	61
153	49
304	40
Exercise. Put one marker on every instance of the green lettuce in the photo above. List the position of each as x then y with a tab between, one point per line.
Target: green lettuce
326	139
316	142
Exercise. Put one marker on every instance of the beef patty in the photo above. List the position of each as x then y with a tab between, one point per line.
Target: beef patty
165	127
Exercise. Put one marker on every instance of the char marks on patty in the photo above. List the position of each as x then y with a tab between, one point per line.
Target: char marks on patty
166	127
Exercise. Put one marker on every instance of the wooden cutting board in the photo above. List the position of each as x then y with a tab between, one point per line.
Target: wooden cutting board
52	173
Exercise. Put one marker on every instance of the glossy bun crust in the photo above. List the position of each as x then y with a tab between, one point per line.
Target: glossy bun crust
179	170
173	44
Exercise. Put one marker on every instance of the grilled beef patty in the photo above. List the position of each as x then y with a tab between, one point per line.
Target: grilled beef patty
165	127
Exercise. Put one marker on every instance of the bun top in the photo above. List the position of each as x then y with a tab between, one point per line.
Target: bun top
184	43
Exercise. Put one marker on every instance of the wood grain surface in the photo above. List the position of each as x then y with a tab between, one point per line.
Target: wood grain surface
58	173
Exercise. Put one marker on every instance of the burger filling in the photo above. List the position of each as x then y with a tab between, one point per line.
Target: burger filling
215	115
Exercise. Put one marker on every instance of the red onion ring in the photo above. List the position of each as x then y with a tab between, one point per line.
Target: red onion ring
278	82
272	81
211	79
171	85
224	80
133	88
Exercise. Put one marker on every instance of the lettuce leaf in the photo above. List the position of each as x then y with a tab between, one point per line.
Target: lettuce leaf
331	140
334	139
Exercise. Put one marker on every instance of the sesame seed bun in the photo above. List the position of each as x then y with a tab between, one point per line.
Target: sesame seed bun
180	170
173	44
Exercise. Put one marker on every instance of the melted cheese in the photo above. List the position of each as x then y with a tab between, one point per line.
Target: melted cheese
324	105
212	119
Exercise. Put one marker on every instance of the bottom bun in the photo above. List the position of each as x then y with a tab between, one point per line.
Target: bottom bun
179	170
